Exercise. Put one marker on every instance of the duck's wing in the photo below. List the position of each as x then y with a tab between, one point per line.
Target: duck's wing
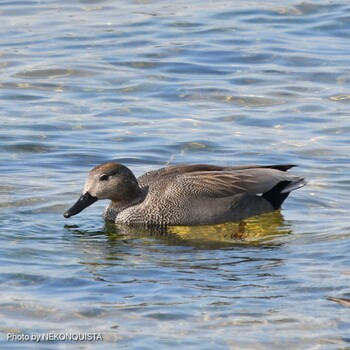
174	170
230	181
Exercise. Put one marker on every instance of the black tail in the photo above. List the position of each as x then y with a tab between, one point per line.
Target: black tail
275	197
281	167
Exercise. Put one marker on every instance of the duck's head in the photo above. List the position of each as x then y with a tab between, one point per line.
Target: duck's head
106	181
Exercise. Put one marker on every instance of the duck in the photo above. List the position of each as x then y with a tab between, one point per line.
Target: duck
187	194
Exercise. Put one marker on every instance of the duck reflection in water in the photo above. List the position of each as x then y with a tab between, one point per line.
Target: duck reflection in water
262	229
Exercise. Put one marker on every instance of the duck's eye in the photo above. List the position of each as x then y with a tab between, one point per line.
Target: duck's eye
103	177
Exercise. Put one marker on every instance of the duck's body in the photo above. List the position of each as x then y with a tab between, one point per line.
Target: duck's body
187	194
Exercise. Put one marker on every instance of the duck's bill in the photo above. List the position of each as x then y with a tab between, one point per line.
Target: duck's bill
84	201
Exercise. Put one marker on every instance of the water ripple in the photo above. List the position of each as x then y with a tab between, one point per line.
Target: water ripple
155	83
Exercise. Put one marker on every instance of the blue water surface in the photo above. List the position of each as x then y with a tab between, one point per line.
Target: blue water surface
150	83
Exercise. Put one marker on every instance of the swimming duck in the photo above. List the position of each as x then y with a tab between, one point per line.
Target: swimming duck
196	194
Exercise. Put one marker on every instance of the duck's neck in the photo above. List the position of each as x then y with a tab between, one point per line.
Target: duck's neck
117	206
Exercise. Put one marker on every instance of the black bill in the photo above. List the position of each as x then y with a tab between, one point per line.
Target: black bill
84	201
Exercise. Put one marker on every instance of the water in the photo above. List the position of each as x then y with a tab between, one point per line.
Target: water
150	83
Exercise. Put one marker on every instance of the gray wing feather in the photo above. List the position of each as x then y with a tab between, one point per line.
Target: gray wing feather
231	182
